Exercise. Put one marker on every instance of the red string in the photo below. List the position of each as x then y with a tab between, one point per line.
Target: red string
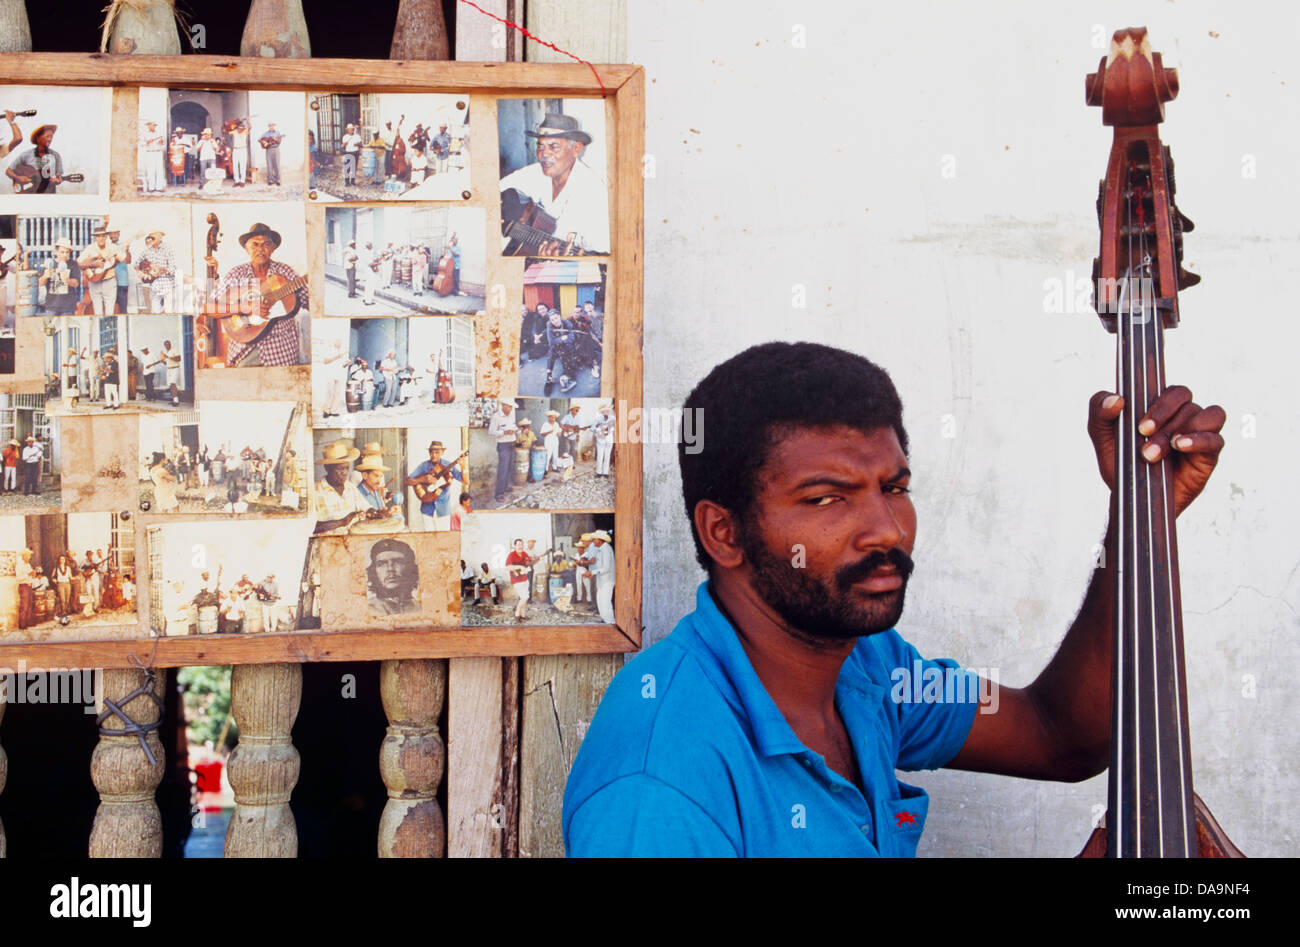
516	26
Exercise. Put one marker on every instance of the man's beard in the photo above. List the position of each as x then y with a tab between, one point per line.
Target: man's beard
819	610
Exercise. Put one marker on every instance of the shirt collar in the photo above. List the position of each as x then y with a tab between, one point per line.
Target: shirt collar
772	734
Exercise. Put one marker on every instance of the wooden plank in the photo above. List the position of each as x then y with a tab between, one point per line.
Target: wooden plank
596	30
480	38
182	651
560	697
333	75
482	751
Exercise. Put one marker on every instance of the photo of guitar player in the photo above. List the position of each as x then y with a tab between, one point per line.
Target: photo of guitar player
52	142
255	307
554	200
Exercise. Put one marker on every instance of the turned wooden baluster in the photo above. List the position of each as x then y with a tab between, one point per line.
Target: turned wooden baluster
411	759
15	29
277	29
127	822
141	26
263	768
412	756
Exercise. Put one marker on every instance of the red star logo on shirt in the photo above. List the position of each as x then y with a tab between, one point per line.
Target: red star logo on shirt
905	818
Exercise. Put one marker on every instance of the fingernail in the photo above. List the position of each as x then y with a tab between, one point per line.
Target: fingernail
1146	427
1151	452
1110	402
1183	443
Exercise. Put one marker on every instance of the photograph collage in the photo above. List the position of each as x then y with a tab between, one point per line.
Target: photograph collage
241	380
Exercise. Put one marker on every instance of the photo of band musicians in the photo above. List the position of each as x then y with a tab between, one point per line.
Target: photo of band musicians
537	569
389	146
562	329
250	438
229	145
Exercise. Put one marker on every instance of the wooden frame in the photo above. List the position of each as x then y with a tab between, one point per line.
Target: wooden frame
624	93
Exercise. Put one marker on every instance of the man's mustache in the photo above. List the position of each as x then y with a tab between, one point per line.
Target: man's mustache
847	576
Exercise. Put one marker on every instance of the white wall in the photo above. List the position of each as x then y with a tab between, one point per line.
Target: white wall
823	166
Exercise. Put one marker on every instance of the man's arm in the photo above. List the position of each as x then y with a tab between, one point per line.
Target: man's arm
1059	726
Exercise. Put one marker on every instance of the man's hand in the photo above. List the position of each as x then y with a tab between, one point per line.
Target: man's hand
1175	426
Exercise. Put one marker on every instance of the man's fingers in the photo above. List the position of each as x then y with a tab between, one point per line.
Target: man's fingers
1158	445
1171	400
1103	407
1200	442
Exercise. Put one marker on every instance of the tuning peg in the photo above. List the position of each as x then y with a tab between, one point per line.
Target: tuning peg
1184	222
1187	280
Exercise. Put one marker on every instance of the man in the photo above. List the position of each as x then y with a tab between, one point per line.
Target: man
446	480
334	368
462	510
42	157
171	360
351	143
32	456
502	429
338	504
520	566
453	247
565	187
270	140
776	691
550	433
98	264
154	144
92	362
603	429
350	257
392	579
122	271
177	156
373	488
147	365
61	278
268	594
369	274
594	325
17	133
387	260
559	343
571	429
206	150
602	571
12	451
112	375
239	152
132	375
388	370
278	345
157	269
441	144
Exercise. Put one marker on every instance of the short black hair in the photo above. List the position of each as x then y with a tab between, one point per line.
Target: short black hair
750	400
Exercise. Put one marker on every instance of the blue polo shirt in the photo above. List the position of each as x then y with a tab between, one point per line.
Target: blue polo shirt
689	756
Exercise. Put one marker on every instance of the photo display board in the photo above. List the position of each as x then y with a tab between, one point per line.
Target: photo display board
312	360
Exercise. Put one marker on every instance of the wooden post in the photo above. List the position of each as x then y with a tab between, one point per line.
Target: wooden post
15	29
560	694
141	26
276	29
482	757
4	760
263	768
411	759
127	823
420	32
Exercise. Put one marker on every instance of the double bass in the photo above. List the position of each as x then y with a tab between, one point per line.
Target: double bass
1153	809
443	391
400	166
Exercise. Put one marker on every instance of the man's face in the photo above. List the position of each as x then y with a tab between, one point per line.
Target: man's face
151	242
62	254
555	318
519	545
336	474
259	250
115	235
374	479
101	239
557	155
841	495
392	570
435	454
589	308
46	138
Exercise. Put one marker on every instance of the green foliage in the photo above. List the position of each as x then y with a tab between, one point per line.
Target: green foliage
206	692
